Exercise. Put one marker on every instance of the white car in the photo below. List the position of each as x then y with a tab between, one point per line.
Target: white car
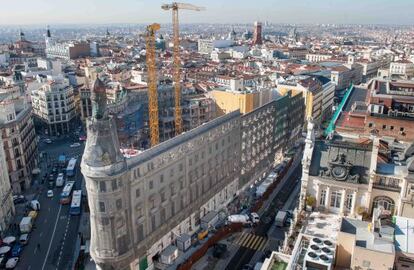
12	262
50	193
24	239
76	144
48	141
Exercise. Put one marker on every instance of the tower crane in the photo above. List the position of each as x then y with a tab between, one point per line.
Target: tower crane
152	83
176	69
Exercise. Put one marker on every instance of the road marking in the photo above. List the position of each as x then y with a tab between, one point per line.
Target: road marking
28	268
45	221
251	241
49	209
41	234
262	247
51	239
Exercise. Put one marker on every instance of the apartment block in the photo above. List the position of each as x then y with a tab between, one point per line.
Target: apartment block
19	138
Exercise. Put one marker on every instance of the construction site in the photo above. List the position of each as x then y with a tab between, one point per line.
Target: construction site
146	200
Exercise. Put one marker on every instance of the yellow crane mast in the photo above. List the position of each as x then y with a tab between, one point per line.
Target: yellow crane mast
152	83
176	69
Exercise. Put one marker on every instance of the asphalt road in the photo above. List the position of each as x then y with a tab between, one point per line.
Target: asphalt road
244	255
55	230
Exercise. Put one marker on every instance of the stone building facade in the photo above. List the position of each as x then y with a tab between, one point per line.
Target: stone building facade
267	132
19	139
6	201
137	203
54	105
140	205
348	176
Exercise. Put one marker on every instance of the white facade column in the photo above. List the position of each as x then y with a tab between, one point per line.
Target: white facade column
328	197
403	185
317	195
342	206
354	198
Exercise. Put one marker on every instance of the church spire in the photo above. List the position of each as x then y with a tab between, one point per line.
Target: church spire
21	34
48	32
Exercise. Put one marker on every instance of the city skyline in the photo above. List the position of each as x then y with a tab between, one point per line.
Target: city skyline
144	11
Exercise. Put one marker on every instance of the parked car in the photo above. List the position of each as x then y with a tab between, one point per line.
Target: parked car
16	250
50	193
24	239
48	141
12	262
76	144
50	184
19	199
34	205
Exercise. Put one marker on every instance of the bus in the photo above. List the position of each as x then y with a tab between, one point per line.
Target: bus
75	206
70	170
66	192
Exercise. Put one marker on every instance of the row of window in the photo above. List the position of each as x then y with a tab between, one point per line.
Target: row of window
195	158
335	199
114	183
118	205
371	125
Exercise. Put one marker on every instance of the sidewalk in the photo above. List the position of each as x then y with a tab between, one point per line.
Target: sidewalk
232	248
273	244
295	163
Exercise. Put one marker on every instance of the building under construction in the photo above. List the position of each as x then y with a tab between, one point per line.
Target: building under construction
132	118
139	205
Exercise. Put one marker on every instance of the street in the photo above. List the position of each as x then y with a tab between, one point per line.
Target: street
246	251
51	243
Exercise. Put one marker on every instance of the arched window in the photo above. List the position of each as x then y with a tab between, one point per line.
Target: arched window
386	202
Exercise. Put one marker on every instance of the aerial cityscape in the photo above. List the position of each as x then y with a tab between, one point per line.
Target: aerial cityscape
265	135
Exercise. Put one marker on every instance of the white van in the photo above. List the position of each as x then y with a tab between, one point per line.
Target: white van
35	205
60	180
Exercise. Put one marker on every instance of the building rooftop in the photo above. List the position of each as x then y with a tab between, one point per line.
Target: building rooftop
404	234
323	225
365	238
355	157
357	95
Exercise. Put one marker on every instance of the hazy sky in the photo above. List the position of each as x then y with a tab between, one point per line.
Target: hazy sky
219	11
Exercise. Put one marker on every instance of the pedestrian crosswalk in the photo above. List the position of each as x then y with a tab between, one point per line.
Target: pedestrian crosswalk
251	241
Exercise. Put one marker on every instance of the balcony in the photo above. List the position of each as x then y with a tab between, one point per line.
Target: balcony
387	187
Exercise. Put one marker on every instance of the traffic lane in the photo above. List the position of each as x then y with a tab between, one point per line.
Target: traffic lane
244	255
241	258
278	202
68	245
54	247
58	146
63	243
41	234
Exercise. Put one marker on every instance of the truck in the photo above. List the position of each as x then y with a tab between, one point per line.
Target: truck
262	188
246	219
280	219
26	225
